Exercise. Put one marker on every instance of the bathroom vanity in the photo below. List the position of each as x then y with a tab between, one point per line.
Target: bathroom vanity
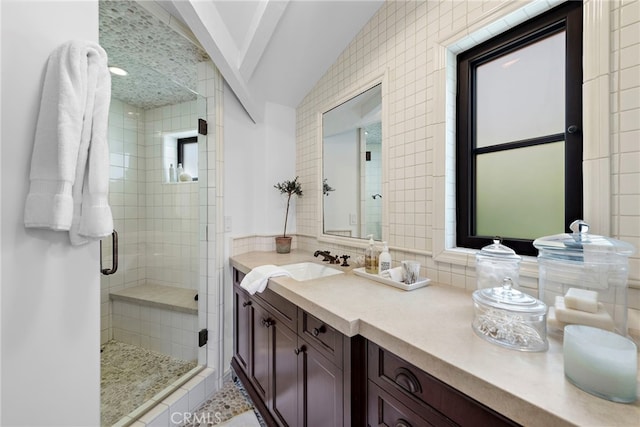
346	351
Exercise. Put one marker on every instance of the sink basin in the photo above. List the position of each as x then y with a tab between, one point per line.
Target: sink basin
309	270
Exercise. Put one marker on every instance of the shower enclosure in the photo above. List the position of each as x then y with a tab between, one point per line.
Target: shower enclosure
151	313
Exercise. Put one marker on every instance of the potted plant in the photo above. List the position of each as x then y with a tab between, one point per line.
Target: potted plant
283	243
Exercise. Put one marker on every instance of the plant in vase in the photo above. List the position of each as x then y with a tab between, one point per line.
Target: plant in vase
289	188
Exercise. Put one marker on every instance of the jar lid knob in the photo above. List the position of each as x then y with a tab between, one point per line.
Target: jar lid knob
579	226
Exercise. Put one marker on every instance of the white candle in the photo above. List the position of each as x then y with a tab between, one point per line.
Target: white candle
601	362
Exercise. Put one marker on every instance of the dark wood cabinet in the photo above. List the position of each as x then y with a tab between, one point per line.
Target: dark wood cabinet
402	393
300	371
322	393
241	319
284	376
297	369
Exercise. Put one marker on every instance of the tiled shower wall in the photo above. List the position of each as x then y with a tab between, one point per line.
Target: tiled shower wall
157	222
171	233
127	164
401	42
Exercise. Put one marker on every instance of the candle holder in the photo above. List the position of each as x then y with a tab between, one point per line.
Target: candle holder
601	363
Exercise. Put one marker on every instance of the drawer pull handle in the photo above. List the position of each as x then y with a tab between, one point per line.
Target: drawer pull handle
317	331
297	351
408	381
246	303
402	423
267	323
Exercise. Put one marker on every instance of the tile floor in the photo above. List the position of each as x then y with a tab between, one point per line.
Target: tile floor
131	375
231	400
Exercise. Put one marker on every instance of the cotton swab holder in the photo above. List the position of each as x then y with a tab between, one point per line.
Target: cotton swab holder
601	363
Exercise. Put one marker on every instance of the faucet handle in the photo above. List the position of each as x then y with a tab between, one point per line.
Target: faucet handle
344	260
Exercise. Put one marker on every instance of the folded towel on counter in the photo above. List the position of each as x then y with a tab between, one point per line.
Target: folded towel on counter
70	163
394	274
257	279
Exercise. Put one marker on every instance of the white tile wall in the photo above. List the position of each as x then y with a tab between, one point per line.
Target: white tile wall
171	234
127	160
401	40
157	222
164	331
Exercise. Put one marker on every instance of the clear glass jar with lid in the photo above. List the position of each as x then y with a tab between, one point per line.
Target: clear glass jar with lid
583	279
510	318
496	262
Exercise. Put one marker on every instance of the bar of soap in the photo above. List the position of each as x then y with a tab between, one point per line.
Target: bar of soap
552	321
581	299
601	319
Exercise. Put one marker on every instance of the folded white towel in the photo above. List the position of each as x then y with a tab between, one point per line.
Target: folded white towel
256	280
70	162
394	274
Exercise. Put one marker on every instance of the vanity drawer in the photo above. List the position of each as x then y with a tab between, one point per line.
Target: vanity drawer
419	390
384	410
323	337
283	309
280	307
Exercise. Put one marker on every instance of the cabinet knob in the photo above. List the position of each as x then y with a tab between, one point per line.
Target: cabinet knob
406	380
317	331
246	303
267	323
402	423
297	351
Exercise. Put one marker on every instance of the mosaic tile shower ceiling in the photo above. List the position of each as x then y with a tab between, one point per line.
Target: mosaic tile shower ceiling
162	64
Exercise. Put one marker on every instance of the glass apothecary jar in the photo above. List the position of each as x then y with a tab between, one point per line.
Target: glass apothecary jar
583	279
510	318
496	262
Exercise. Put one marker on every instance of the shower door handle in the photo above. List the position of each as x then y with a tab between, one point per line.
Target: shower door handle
114	255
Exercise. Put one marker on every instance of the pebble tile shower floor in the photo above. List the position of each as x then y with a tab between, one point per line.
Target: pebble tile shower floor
231	400
131	375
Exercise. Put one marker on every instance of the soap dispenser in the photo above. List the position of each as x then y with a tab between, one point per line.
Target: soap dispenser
371	257
384	261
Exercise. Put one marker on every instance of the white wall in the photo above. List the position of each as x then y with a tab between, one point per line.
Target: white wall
341	168
256	156
50	291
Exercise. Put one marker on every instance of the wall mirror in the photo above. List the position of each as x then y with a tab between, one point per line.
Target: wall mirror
352	167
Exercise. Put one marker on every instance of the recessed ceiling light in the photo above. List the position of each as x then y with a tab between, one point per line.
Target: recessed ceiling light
117	71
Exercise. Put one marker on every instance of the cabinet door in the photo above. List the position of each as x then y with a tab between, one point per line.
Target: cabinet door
284	387
241	315
385	410
321	389
260	340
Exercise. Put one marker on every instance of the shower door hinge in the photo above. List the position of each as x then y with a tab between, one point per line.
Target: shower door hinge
203	337
202	126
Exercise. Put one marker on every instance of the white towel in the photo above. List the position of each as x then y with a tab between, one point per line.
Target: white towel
257	279
70	162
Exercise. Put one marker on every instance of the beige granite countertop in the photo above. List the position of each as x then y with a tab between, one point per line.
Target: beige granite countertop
431	328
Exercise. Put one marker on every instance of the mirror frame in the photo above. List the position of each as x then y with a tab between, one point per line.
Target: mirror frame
379	79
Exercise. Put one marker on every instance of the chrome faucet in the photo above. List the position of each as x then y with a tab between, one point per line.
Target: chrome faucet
327	257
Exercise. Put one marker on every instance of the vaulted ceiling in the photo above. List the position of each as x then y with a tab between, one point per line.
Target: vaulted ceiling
273	50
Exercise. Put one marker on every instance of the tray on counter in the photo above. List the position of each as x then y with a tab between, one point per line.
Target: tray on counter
420	283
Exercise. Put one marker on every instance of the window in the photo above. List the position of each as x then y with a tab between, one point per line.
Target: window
518	131
188	155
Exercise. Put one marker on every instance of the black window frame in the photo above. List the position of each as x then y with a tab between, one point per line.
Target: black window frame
566	17
180	147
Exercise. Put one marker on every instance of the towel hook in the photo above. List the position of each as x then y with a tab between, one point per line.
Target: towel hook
114	254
